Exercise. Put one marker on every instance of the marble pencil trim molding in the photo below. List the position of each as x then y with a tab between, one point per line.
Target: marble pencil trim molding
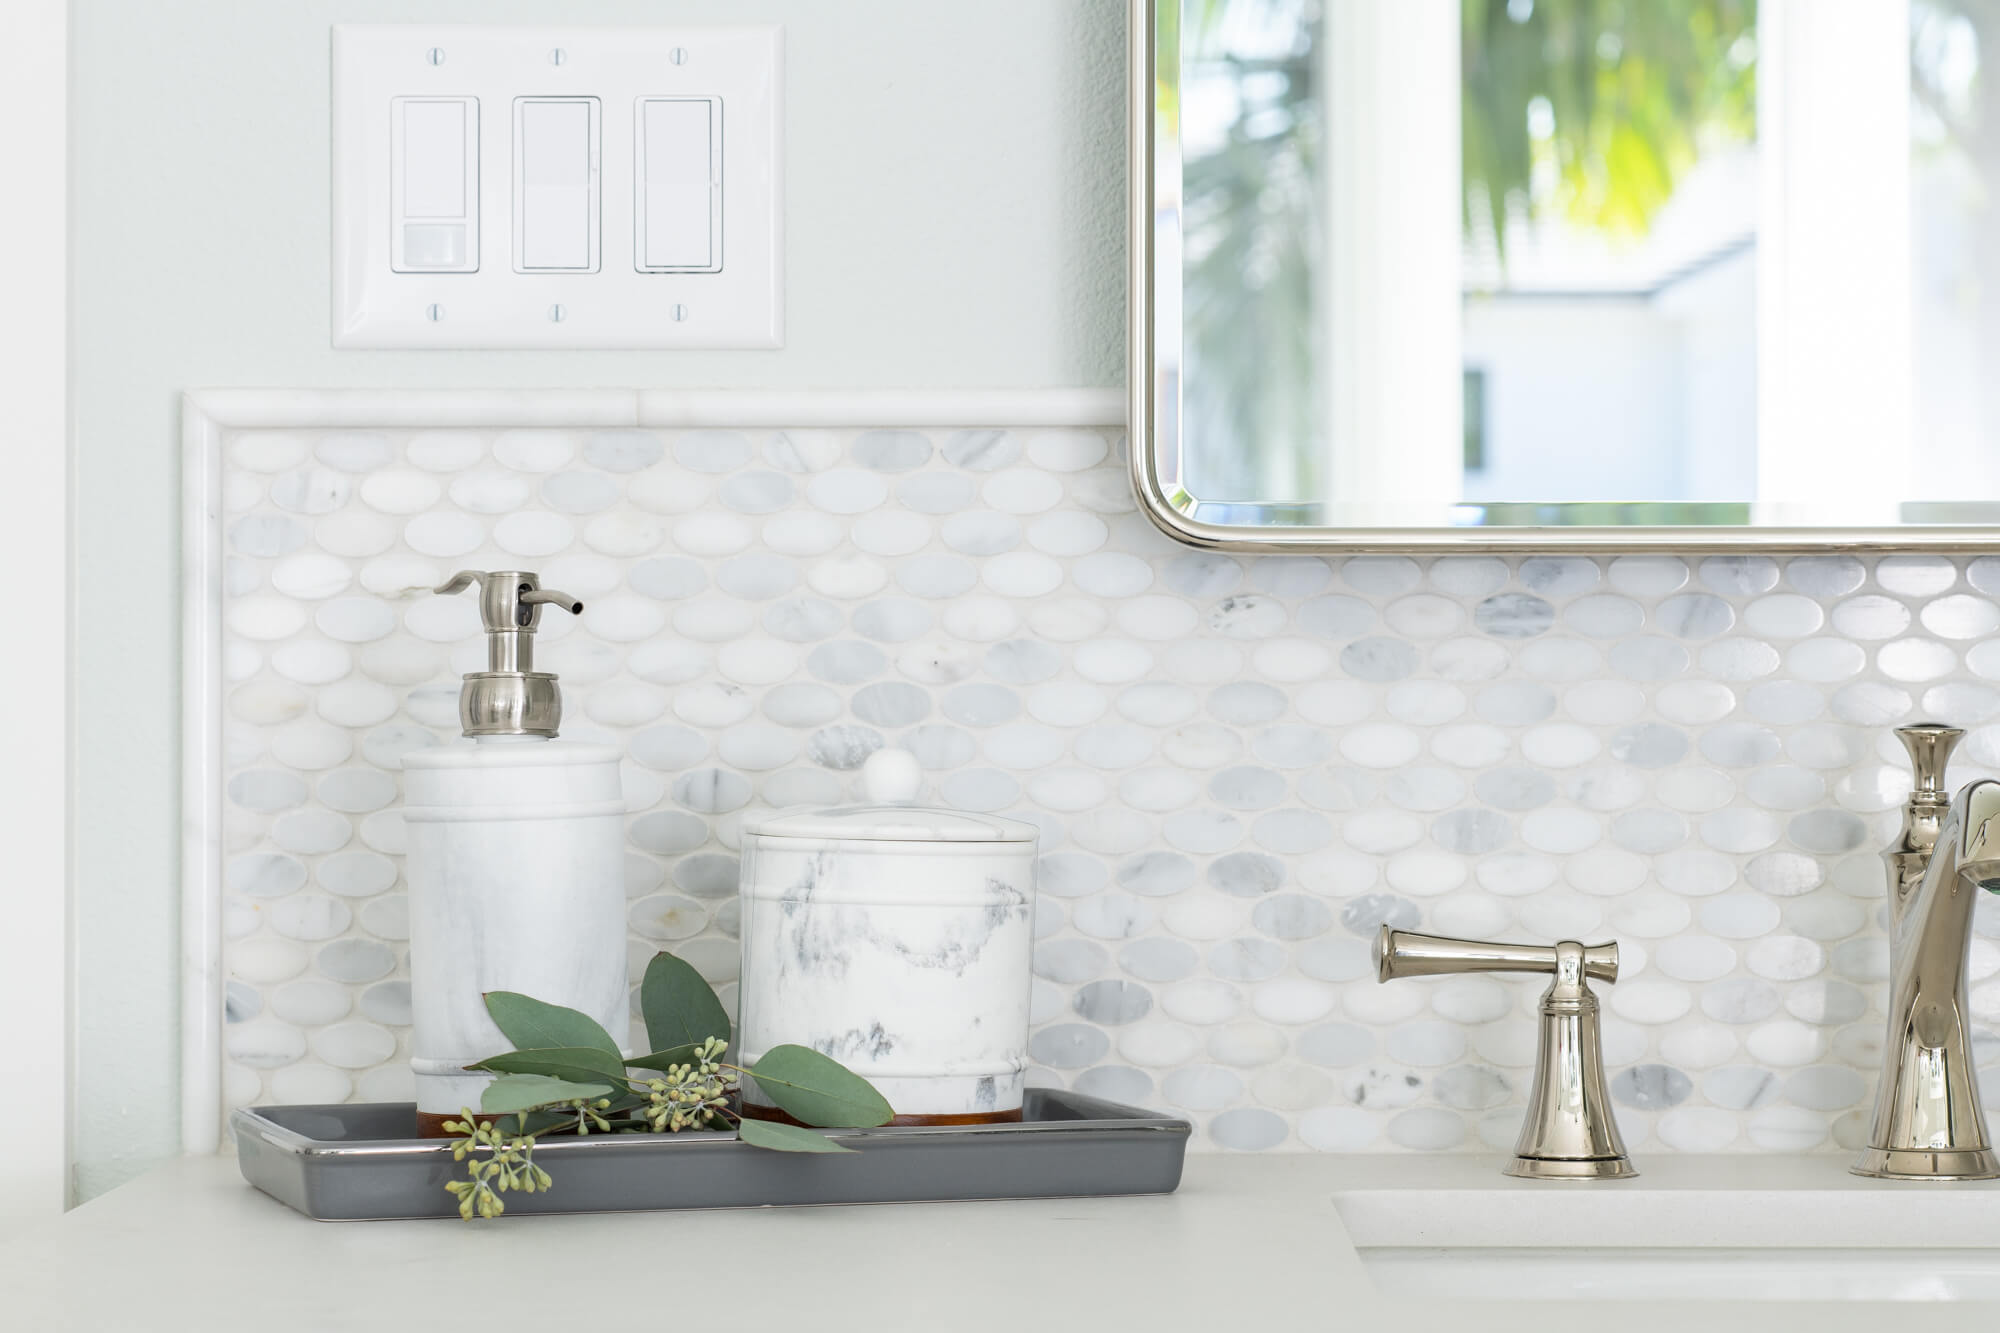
1240	765
659	408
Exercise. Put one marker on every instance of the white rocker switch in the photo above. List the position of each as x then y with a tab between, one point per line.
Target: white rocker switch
678	197
434	185
556	184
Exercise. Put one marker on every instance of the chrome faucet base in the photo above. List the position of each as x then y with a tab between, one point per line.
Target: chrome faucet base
1571	1168
1927	1164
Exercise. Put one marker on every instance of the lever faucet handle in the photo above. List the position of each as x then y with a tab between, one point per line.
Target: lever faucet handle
1570	1132
1405	953
1930	745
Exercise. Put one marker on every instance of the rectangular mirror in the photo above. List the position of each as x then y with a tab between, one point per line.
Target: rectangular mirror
1457	274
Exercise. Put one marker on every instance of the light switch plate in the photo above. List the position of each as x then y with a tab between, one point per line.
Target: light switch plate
623	302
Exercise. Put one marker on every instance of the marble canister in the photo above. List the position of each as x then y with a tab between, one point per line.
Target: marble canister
895	939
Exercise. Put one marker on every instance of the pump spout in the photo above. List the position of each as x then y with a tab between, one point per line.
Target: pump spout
546	597
1928	1122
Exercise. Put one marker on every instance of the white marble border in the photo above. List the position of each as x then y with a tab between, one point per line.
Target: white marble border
207	413
201	777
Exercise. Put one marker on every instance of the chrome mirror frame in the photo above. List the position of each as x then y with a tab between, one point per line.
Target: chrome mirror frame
1153	380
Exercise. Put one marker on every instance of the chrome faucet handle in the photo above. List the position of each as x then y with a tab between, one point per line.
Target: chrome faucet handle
1404	953
1930	745
1570	1132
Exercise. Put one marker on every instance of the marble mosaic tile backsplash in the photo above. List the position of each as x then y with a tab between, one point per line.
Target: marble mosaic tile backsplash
1241	765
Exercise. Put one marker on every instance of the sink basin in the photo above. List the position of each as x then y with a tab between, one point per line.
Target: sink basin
1724	1228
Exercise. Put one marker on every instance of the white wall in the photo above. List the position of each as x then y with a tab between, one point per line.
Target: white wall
954	182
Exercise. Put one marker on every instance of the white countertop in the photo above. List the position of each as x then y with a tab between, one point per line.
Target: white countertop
1251	1244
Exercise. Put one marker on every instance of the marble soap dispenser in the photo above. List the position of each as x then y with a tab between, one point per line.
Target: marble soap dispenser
514	858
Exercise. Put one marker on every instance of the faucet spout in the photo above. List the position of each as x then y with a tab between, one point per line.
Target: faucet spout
1928	1122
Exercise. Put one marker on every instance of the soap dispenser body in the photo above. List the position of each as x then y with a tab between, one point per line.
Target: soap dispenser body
516	878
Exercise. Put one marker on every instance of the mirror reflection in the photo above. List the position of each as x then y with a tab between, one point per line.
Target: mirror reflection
1578	262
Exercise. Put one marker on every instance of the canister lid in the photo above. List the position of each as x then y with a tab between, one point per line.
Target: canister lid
891	779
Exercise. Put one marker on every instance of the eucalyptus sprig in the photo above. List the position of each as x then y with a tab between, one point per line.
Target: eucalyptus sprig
566	1076
509	1164
691	1096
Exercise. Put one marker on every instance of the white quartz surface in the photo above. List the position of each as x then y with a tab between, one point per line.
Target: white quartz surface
1247	1244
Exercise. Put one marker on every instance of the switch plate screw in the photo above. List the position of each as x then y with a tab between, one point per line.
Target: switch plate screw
558	56
557	314
679	55
435	55
433	313
680	314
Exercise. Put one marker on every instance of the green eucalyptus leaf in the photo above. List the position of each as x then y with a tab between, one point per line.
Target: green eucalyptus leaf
660	1060
532	1024
812	1087
786	1138
579	1064
525	1092
679	1007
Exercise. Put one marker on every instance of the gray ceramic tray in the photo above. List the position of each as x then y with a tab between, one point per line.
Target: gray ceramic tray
356	1162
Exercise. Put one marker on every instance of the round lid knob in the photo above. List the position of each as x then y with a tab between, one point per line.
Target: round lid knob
891	777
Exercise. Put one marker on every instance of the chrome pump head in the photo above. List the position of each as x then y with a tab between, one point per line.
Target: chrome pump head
510	697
